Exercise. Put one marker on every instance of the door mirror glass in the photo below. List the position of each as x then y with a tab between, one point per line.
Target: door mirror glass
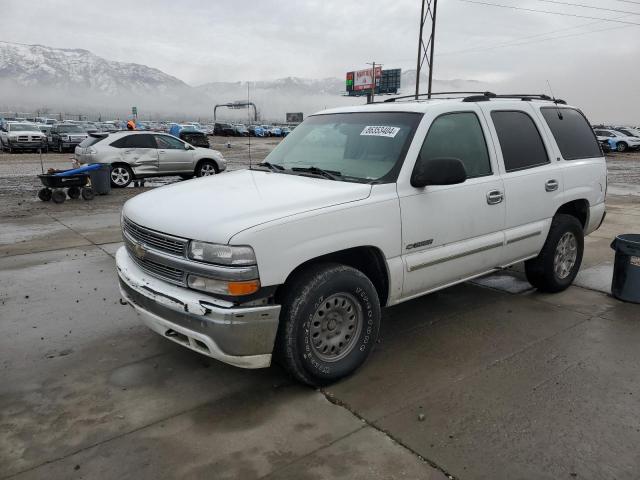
437	171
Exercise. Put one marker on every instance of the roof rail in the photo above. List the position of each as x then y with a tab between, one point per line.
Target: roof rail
436	93
525	97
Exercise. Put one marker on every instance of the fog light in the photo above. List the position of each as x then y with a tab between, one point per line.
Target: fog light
222	287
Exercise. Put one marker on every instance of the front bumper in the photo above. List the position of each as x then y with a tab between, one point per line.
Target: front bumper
18	145
243	337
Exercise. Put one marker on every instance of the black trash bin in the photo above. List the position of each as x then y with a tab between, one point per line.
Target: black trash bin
101	179
626	270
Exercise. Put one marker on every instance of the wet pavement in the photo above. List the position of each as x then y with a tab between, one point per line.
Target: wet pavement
485	380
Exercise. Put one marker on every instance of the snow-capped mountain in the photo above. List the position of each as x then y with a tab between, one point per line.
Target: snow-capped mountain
40	66
39	78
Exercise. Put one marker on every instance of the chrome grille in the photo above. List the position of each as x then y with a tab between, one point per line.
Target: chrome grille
23	138
159	241
164	272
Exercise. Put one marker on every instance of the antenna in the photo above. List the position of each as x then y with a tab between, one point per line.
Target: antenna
249	118
554	100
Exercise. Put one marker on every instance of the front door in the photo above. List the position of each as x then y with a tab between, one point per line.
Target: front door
453	232
175	155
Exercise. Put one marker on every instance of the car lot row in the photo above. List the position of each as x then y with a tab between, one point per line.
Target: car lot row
618	138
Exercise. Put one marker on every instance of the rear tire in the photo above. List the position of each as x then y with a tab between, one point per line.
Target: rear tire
45	194
73	192
121	176
88	193
58	196
558	263
329	323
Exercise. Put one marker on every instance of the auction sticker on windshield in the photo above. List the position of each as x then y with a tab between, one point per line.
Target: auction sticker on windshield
380	131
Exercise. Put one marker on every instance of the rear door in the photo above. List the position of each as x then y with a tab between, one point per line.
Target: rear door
174	155
533	180
140	152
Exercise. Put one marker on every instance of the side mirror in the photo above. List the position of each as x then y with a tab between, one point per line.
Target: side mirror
187	147
437	171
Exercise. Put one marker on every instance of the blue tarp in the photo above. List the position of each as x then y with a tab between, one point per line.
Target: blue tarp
77	171
175	130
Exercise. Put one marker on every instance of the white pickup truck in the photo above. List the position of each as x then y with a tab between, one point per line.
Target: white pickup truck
357	209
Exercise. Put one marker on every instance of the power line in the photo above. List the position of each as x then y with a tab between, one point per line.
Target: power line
516	44
582	5
550	12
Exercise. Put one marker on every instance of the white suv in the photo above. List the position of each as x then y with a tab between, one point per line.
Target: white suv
617	140
357	209
137	155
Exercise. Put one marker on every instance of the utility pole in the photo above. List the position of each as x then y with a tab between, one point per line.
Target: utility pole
373	80
425	51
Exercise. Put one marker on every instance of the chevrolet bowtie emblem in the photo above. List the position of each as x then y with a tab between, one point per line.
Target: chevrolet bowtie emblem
139	250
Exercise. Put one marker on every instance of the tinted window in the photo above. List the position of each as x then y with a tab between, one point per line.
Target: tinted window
135	141
167	142
458	135
519	139
572	133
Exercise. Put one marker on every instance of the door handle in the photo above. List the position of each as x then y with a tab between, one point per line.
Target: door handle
494	197
161	151
551	185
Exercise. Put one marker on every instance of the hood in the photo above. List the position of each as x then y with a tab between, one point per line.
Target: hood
15	133
215	208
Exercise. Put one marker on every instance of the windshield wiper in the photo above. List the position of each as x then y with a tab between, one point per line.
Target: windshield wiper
272	166
330	174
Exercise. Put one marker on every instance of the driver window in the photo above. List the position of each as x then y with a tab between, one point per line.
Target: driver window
458	135
169	143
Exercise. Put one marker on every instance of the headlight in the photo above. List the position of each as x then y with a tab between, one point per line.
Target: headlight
221	254
223	287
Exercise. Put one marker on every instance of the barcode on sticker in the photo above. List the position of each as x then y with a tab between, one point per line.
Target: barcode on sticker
380	131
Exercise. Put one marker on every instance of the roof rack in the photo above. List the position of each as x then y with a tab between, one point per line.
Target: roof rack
486	96
435	93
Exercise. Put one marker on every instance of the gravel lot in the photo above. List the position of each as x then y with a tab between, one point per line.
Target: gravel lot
19	182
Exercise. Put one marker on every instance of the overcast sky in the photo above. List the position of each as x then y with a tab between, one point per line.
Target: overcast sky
201	41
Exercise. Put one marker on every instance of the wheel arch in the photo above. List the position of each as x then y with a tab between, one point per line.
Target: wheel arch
368	259
577	208
207	159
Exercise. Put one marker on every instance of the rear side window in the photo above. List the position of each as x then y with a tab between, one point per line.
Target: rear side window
520	140
135	141
572	133
87	142
458	135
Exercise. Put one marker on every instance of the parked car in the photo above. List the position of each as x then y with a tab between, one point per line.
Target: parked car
195	138
137	155
224	129
285	131
275	132
22	136
66	136
628	131
361	208
618	140
256	131
241	130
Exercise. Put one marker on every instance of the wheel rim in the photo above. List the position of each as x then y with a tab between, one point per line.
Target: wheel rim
621	147
207	169
335	327
565	256
120	176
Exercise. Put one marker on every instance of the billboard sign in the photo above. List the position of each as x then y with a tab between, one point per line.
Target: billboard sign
363	79
294	117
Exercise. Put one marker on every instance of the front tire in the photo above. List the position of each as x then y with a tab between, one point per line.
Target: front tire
121	176
621	147
206	168
558	263
329	323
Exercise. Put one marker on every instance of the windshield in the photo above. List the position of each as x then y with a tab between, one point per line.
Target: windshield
70	129
366	146
23	127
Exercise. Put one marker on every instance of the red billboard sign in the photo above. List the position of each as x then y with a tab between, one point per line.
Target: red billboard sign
363	79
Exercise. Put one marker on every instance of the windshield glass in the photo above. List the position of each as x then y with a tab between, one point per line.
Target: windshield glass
70	129
23	127
367	146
